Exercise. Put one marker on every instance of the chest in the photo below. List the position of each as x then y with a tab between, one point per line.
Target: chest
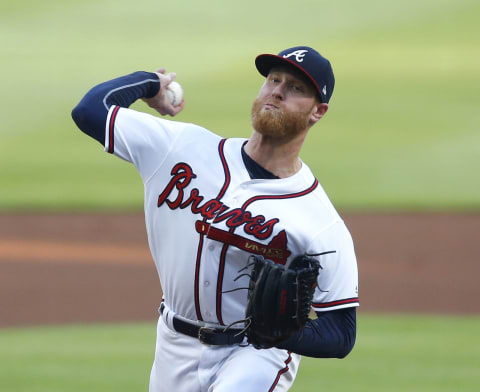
229	209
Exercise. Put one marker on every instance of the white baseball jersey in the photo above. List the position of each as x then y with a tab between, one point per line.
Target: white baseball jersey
205	216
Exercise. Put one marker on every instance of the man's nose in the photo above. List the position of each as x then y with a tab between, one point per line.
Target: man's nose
278	91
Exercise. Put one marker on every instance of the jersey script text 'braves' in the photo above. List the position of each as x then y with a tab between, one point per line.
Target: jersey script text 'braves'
182	175
175	197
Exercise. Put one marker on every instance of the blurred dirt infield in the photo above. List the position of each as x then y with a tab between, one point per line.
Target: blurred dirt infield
97	267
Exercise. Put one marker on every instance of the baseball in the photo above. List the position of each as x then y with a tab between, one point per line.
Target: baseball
175	93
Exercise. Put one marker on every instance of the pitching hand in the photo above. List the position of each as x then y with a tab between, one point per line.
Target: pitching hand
160	102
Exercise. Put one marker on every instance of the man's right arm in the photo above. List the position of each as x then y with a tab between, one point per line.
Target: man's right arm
91	113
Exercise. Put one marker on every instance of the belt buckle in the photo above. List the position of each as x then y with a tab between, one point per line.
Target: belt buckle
206	334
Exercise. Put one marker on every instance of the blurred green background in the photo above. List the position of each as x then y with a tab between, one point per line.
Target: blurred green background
401	133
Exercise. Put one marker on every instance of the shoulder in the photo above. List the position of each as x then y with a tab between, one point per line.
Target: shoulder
131	118
320	204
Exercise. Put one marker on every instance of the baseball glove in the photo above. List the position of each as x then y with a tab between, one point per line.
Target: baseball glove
279	299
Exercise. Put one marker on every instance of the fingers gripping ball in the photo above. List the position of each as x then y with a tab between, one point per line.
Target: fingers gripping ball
279	299
174	93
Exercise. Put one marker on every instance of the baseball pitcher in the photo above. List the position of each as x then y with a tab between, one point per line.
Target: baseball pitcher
244	238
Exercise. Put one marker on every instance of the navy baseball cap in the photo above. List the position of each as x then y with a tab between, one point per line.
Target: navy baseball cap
308	61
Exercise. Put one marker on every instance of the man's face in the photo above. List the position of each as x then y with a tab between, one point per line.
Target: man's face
284	105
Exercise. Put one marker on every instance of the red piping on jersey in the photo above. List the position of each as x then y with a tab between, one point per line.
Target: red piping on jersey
225	169
281	371
335	303
287	196
111	127
221	268
200	242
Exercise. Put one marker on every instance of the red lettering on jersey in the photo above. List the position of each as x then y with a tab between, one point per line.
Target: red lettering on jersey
194	200
174	196
230	216
211	208
182	176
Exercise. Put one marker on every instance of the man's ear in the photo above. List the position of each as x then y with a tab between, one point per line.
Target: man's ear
318	112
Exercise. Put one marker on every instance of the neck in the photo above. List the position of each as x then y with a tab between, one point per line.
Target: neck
279	157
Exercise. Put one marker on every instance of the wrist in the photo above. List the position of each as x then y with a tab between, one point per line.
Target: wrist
154	85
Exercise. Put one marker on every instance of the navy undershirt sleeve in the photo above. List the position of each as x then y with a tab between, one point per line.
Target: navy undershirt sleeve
331	335
91	113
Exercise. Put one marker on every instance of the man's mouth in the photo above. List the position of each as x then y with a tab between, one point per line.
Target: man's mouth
269	106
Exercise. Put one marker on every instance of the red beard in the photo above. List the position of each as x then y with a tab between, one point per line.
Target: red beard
278	123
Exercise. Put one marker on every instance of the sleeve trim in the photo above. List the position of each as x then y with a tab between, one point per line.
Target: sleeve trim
341	302
109	137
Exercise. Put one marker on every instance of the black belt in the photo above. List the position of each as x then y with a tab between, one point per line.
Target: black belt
207	335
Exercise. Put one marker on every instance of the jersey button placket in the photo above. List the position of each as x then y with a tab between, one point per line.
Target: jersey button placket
206	288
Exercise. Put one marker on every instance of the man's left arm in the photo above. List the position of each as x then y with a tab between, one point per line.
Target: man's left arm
331	335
